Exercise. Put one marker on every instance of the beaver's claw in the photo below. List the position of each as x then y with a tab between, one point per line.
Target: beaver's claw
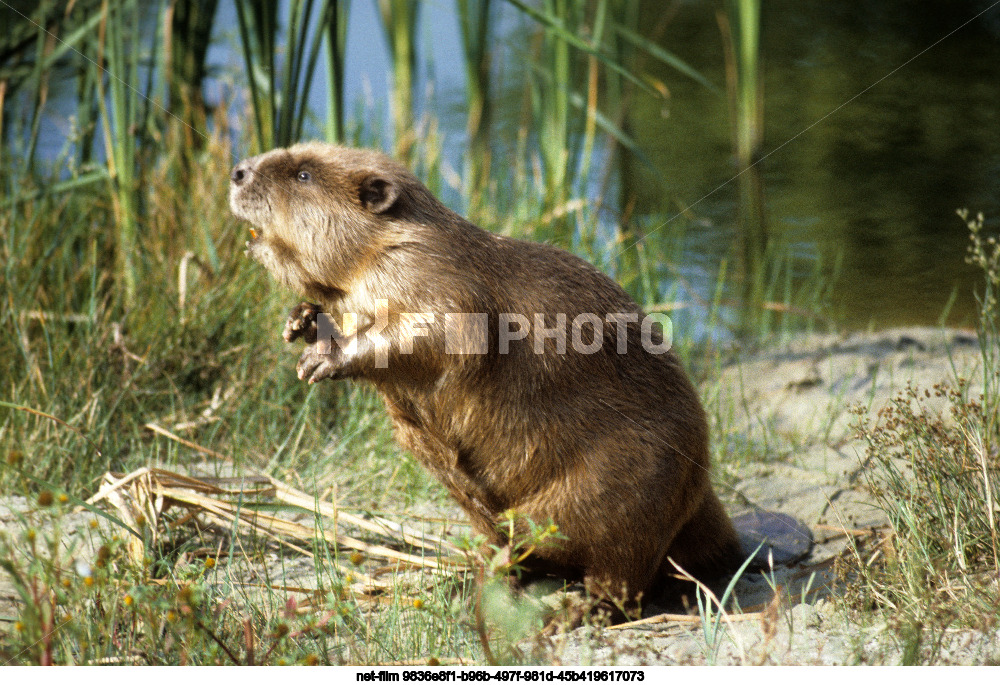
314	366
301	323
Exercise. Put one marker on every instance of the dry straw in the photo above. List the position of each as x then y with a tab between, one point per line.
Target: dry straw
142	496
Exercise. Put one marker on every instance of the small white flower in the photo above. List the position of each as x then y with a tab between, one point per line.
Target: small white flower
83	569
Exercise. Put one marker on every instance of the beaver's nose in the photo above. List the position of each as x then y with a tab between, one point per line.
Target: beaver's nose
241	172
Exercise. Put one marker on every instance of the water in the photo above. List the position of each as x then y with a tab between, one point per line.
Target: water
873	139
873	145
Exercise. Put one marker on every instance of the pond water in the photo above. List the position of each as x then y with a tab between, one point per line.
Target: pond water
875	133
880	120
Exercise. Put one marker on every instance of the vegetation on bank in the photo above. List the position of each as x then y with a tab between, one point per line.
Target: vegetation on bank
128	307
935	472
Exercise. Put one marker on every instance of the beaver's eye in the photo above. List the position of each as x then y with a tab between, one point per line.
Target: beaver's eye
304	176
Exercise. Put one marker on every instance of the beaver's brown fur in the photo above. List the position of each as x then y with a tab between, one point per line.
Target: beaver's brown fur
611	447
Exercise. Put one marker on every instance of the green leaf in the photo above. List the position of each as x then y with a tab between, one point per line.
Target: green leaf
665	56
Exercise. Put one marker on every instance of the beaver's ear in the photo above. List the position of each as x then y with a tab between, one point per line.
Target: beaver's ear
378	194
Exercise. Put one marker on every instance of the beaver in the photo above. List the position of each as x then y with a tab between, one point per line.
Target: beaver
520	375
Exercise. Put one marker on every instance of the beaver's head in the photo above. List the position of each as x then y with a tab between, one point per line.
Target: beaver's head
321	213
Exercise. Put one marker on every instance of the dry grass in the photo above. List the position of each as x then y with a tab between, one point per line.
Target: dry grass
142	497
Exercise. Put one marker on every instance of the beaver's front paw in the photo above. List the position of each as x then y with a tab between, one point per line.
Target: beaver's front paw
314	365
301	323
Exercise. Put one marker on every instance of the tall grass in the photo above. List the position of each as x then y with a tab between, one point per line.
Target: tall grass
280	89
400	22
188	24
335	46
123	115
740	26
475	23
35	44
984	253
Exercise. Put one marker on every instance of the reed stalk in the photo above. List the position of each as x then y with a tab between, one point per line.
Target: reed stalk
475	22
280	104
399	18
120	110
740	26
189	24
258	23
335	49
584	75
552	110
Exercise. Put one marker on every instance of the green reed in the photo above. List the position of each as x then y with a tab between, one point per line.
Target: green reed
279	89
335	47
190	32
399	20
740	25
122	109
475	21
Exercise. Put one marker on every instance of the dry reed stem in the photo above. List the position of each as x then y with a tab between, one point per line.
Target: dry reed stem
380	526
141	496
680	618
187	443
